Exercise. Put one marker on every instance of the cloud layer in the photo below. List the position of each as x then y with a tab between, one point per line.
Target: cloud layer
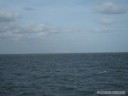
14	31
6	16
110	8
10	29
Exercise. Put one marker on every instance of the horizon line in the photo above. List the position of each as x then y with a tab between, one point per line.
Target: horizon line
60	53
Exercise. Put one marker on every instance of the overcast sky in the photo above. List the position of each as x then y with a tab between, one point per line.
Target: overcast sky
63	26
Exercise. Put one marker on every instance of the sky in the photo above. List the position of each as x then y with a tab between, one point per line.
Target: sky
63	26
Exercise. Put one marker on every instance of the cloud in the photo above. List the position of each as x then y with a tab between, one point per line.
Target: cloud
41	28
15	31
110	8
12	30
10	35
6	16
106	21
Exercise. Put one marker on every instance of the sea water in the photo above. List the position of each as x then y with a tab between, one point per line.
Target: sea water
63	74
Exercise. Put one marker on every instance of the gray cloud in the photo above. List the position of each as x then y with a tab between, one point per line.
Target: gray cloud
41	28
10	35
6	16
14	31
10	29
110	8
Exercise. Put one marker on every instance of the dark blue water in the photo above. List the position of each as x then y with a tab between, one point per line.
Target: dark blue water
63	74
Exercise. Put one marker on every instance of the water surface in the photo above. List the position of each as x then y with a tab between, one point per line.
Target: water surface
62	74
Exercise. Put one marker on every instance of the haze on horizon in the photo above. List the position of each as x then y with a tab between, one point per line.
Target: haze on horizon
63	26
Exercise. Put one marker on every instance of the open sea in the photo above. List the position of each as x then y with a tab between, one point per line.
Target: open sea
63	74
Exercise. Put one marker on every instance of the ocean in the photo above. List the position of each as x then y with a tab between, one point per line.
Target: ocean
78	74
